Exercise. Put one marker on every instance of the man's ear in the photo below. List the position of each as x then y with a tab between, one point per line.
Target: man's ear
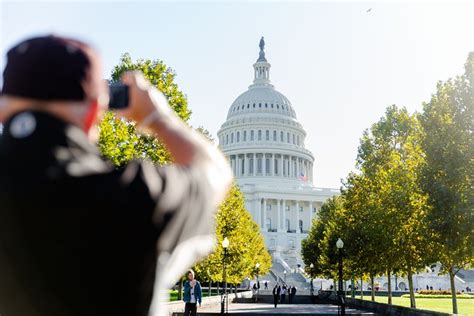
91	115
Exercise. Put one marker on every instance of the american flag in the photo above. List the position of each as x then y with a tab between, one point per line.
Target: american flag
303	177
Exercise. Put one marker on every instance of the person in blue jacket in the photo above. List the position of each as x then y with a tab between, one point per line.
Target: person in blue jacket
192	294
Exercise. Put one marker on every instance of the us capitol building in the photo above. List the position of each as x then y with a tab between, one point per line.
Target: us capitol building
265	145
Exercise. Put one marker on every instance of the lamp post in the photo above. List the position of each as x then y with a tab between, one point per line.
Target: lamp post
396	283
311	267
340	245
284	273
257	266
224	299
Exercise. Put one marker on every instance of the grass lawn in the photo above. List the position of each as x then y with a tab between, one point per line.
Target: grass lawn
205	293
465	306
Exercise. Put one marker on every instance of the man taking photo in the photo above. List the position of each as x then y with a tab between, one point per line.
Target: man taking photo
77	236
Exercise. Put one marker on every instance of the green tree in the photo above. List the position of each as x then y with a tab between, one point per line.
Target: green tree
392	155
448	175
246	247
118	139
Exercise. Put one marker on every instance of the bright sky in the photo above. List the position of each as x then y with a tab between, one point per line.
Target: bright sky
338	64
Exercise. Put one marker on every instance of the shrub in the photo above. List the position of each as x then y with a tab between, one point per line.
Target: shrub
437	292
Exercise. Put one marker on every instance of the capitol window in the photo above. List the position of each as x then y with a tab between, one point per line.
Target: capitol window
248	106
245	136
226	139
278	106
254	105
238	137
266	105
251	135
293	138
276	166
260	105
267	165
232	137
267	135
298	140
274	135
281	136
300	226
272	105
287	137
259	135
251	166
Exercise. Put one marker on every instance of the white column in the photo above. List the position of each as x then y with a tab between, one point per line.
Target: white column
297	217
298	167
281	165
278	226
264	226
272	164
264	164
239	166
283	219
254	164
257	211
291	166
246	165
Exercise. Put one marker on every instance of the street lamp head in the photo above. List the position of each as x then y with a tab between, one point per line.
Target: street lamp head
339	243
311	266
284	272
257	265
225	243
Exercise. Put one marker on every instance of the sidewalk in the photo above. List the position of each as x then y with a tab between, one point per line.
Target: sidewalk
286	309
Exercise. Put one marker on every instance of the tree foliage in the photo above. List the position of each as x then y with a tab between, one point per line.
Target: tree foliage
411	201
246	247
119	140
448	175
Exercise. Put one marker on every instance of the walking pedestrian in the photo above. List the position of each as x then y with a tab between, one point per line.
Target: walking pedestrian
192	294
293	293
276	294
266	285
283	294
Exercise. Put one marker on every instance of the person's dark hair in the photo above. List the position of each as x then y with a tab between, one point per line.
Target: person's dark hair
48	68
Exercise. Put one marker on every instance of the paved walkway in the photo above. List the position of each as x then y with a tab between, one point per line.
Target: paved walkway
265	308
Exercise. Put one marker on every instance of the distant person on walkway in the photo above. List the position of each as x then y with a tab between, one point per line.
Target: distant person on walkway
283	294
427	287
276	294
266	285
292	294
192	294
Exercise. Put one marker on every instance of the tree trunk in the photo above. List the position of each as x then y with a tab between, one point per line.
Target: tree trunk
210	288
352	287
335	288
410	287
372	290
389	287
453	291
361	289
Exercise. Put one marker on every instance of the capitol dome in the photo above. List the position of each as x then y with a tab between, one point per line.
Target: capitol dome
265	146
262	136
261	99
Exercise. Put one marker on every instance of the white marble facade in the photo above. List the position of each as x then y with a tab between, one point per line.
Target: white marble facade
264	143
